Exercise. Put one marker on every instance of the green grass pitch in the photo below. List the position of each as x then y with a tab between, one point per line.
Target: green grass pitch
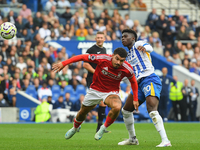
183	136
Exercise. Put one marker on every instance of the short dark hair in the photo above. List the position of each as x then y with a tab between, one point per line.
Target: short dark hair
121	52
131	31
100	32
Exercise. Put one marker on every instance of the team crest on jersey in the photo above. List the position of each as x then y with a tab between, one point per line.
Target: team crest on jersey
92	57
119	74
105	68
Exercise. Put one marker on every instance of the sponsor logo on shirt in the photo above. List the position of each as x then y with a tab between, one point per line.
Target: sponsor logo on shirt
105	72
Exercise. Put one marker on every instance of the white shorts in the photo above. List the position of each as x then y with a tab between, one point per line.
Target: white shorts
94	97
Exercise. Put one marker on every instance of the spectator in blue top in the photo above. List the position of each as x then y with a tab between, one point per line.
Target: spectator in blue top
164	96
193	67
68	103
78	103
59	103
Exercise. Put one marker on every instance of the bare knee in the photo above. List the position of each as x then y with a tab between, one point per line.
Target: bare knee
117	108
152	103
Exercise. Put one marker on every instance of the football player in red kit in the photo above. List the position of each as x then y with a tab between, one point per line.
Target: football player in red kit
110	70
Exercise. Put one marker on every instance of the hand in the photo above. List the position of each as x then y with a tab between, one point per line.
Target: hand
183	91
141	48
136	105
57	67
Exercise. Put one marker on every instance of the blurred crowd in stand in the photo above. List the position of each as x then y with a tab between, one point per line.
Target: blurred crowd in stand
26	60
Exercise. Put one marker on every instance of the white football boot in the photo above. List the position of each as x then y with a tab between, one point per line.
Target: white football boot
132	141
70	133
164	144
100	133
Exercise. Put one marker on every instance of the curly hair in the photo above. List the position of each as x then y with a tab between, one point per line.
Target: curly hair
131	31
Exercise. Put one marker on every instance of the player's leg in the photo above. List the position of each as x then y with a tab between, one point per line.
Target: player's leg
80	117
128	117
152	105
152	87
101	115
114	102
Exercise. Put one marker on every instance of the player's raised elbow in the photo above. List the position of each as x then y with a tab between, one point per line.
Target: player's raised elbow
149	48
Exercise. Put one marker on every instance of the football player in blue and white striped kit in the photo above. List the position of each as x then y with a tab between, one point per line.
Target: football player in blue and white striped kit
149	87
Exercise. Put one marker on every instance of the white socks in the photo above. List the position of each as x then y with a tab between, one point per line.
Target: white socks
129	122
158	123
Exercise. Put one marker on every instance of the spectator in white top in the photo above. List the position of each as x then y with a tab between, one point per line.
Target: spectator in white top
44	64
189	50
15	3
176	59
44	91
56	29
21	64
44	32
157	48
64	3
49	4
64	37
128	22
101	27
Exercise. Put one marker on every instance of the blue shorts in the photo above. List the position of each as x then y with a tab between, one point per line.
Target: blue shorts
150	85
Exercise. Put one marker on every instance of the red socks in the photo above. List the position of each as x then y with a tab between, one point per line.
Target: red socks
108	122
77	123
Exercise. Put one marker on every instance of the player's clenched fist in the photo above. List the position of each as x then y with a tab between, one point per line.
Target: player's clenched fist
136	105
141	48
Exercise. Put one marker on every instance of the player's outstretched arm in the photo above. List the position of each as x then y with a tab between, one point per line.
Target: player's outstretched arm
134	87
88	67
59	66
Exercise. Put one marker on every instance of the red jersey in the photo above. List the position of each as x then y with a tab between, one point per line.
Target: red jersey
106	78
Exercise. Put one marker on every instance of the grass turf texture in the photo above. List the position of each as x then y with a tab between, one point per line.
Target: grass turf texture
183	136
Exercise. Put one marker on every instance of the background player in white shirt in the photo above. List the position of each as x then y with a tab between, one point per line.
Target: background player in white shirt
149	87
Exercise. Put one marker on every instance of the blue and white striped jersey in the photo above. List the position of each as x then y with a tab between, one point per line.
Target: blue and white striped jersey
141	61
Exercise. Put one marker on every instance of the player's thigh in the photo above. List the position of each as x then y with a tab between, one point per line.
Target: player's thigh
113	101
152	103
102	104
129	101
85	109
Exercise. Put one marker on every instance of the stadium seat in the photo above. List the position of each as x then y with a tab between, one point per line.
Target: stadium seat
80	89
56	92
55	88
69	89
32	91
123	86
43	3
62	21
73	98
55	96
